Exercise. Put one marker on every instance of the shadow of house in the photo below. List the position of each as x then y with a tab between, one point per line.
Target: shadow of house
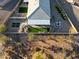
60	22
72	11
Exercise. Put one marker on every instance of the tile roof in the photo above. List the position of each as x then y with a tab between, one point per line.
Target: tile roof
35	4
7	10
4	2
39	12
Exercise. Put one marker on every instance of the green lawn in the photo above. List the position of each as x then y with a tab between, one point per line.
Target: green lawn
23	9
32	29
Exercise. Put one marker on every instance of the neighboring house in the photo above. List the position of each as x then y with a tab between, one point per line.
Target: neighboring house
18	17
8	9
39	12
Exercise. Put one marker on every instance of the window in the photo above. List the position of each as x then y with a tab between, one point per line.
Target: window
26	2
15	24
23	9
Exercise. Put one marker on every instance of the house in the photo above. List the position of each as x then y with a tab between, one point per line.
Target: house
8	8
39	12
18	17
43	18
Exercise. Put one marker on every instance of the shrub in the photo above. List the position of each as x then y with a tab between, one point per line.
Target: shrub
39	55
30	36
3	39
2	28
72	30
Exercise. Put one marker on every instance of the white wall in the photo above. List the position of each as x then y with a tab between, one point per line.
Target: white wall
38	22
25	0
70	1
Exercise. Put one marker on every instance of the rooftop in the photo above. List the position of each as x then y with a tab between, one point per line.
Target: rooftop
4	15
7	9
4	2
25	0
35	4
39	12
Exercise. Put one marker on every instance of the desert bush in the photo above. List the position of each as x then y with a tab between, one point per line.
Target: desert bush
3	38
30	36
2	28
39	55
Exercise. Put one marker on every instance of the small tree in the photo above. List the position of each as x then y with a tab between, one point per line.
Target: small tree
30	36
39	55
72	30
2	28
3	39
